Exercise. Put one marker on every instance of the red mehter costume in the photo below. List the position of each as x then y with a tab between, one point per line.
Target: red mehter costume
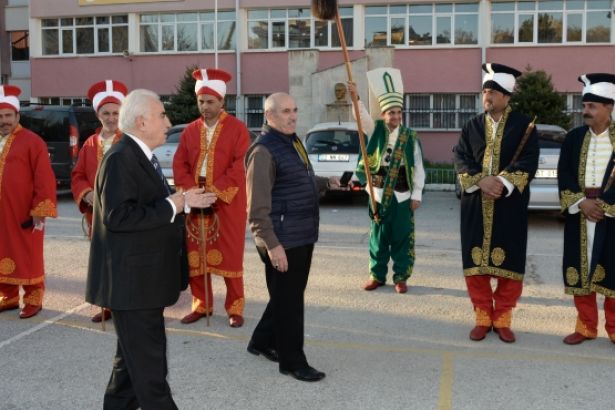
225	228
84	173
27	190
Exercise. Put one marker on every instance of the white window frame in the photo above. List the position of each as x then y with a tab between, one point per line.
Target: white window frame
434	21
73	29
432	111
536	12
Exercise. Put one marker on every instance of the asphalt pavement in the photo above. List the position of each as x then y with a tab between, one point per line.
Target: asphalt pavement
380	350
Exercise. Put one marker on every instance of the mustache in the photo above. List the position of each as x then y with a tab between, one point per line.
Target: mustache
588	116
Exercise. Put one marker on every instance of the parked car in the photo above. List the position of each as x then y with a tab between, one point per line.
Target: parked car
64	129
333	149
544	194
166	152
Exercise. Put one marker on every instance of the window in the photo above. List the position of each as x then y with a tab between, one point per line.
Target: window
85	35
20	46
187	32
255	111
551	21
67	101
421	24
295	28
439	111
230	104
575	109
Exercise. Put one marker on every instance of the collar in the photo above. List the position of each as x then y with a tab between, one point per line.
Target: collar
268	128
602	135
148	152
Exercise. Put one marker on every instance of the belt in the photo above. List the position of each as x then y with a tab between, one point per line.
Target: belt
401	185
593	192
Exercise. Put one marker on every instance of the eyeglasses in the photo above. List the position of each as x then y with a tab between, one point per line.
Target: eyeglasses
387	157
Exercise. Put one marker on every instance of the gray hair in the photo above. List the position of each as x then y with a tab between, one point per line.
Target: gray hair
271	103
135	105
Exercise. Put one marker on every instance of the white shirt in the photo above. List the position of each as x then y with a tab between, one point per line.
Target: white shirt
148	153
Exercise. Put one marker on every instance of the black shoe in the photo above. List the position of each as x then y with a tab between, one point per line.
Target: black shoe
305	374
269	353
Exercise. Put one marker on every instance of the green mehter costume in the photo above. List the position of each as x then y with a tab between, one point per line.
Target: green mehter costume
397	172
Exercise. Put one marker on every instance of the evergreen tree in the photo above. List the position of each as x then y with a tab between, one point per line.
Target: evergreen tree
535	96
181	107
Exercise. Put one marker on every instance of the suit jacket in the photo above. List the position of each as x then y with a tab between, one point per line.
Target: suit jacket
137	256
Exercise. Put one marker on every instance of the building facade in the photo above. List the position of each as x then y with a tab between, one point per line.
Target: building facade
270	46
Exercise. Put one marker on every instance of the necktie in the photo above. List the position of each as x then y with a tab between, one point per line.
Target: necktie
158	169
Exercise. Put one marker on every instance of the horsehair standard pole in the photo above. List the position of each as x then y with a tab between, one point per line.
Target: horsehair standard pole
328	10
203	260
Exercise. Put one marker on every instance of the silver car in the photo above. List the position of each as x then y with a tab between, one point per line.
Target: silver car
333	149
166	152
544	194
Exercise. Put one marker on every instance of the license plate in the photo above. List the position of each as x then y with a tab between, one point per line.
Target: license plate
546	173
334	157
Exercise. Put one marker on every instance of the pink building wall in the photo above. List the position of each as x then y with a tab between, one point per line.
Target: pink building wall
563	63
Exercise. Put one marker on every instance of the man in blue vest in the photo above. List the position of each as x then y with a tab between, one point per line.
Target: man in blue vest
398	178
283	195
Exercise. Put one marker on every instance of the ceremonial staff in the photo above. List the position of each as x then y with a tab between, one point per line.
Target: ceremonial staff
328	10
526	136
203	261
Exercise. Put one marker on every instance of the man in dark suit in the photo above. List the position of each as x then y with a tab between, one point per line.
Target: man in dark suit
137	261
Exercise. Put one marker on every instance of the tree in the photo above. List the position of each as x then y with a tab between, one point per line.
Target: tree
181	107
535	96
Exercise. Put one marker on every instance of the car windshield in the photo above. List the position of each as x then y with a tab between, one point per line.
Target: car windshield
336	141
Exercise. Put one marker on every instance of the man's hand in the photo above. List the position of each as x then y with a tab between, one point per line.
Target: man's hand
277	256
198	198
415	204
89	198
178	201
335	185
591	209
491	187
38	222
352	88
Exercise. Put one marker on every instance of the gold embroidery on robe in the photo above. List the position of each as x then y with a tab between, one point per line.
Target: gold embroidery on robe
193	259
572	276
45	208
518	178
214	257
466	180
602	290
7	266
491	166
477	255
567	198
497	256
599	273
494	271
5	152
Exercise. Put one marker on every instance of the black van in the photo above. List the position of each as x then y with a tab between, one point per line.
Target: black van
64	129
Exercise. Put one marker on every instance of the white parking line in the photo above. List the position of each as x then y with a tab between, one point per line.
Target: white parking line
42	325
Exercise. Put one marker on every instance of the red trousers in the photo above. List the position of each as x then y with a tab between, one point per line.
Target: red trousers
234	303
33	294
493	308
587	315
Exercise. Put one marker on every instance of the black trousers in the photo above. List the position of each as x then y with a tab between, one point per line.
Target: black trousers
281	326
139	375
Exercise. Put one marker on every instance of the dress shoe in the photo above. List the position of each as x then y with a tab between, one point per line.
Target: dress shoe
506	335
576	338
29	311
401	287
372	284
193	317
305	374
235	321
479	332
9	307
269	353
100	316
